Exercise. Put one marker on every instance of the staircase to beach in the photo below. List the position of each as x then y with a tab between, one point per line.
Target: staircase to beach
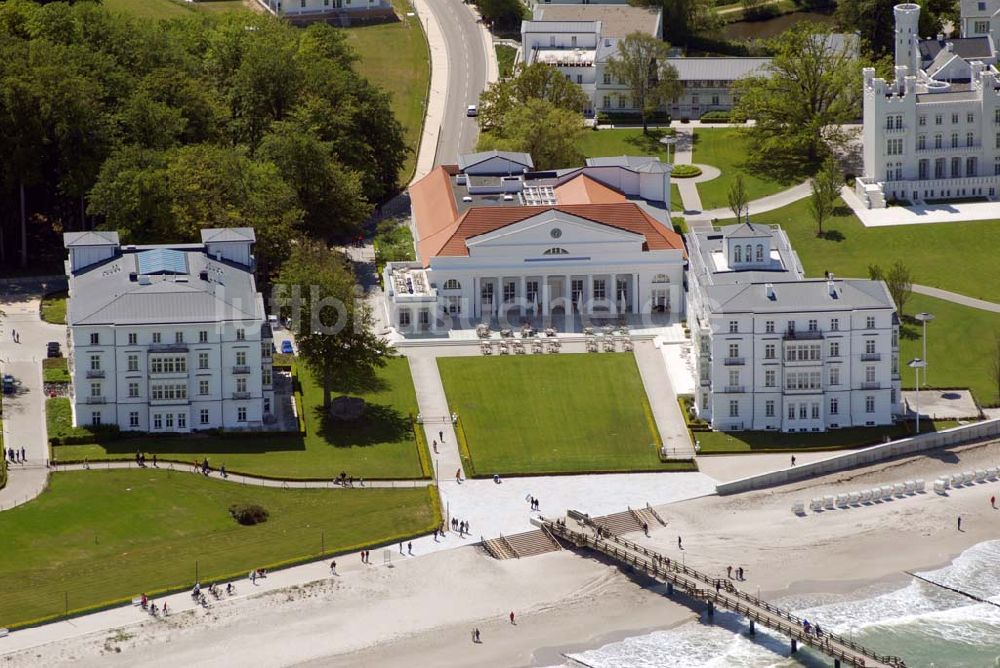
526	544
628	521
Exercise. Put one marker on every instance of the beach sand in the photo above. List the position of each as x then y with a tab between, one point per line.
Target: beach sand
423	609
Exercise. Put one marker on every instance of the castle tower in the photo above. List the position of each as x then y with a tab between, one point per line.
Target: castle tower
907	17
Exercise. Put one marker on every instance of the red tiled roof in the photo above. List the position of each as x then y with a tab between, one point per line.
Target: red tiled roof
434	212
626	216
584	190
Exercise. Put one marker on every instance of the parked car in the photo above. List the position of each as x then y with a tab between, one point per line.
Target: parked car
472	110
8	384
286	347
54	349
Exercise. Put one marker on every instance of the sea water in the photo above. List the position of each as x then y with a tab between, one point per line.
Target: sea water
927	626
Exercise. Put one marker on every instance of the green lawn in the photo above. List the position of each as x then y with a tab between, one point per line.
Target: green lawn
718	442
552	413
727	149
505	58
381	446
934	252
169	9
395	57
55	370
54	307
94	537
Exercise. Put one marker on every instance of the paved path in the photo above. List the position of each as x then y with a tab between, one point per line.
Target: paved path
683	156
769	203
663	400
957	298
433	407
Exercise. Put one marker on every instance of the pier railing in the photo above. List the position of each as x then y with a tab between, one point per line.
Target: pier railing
720	592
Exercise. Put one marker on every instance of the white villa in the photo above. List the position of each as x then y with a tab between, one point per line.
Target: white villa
499	243
320	10
167	338
777	351
933	133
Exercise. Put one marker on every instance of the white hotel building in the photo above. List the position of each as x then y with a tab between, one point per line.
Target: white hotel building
777	351
933	133
168	338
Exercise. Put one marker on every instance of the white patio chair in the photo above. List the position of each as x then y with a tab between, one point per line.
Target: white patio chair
940	486
921	485
866	496
816	504
899	489
842	500
888	491
799	508
828	502
980	475
853	498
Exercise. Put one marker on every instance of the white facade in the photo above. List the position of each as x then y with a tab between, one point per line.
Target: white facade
934	132
182	347
776	351
979	17
307	9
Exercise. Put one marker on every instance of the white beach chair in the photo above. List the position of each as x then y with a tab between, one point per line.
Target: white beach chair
957	480
968	477
887	492
991	473
940	486
866	496
980	475
816	504
799	508
842	500
911	486
828	502
921	485
853	498
899	489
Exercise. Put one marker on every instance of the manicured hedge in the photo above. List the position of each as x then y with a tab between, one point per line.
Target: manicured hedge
715	117
685	171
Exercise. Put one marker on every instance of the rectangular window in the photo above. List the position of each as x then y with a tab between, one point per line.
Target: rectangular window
769	378
203	336
241	384
133	362
922	120
791	411
954	118
182	421
133	419
815	411
95	389
133	390
834	406
937	141
606	100
241	414
95	418
600	291
834	375
869	346
921	142
813	325
202	360
870	322
241	334
956	167
803	411
938	119
769	327
404	318
769	408
241	358
734	408
869	374
734	377
133	338
203	416
769	351
169	420
923	169
834	324
607	81
156	337
733	327
981	27
969	139
157	421
869	404
970	167
95	339
734	350
509	291
178	337
265	376
202	387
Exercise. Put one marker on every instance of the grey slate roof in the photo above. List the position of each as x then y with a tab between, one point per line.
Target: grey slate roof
805	295
466	160
92	238
616	20
636	163
103	294
560	26
746	231
228	234
717	69
970	48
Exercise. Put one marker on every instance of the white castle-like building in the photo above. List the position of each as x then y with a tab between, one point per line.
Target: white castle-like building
933	133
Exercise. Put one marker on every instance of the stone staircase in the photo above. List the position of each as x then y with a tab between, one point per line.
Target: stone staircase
628	521
526	544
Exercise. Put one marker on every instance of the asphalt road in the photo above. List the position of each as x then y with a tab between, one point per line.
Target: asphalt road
466	77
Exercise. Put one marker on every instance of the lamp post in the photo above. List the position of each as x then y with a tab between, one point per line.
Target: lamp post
917	364
667	141
925	318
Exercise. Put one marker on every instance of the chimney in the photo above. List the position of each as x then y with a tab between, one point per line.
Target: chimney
203	274
133	277
769	291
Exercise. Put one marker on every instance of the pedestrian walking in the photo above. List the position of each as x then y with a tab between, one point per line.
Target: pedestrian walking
435	447
475	635
409	548
959	522
741	573
680	545
441	436
793	460
154	461
253	577
24	455
222	471
458	475
993	502
333	566
729	572
401	547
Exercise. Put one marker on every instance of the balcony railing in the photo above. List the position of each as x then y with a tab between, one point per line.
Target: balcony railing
241	369
95	373
733	361
871	357
871	385
800	335
241	395
734	389
706	381
96	400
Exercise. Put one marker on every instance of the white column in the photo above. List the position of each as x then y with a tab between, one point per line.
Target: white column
524	296
475	297
635	293
613	280
545	294
588	294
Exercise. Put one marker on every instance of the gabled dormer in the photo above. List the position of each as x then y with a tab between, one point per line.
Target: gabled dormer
747	246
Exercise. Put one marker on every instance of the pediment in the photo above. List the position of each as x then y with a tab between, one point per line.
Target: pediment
553	228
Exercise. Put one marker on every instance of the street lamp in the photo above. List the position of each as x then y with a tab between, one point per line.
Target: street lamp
925	318
917	364
668	141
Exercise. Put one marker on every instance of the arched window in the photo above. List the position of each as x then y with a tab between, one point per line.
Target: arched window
760	252
737	253
556	251
452	284
749	253
661	278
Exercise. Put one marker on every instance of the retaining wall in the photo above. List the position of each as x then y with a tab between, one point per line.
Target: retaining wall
876	453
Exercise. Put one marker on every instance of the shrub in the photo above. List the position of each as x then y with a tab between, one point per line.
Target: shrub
248	514
715	117
59	420
685	171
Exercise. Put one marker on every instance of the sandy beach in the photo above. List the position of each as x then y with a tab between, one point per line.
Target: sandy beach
424	609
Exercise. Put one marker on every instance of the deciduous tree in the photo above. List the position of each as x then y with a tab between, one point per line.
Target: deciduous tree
898	280
641	62
738	198
824	190
537	81
548	133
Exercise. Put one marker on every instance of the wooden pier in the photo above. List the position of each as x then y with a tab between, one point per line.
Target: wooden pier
717	593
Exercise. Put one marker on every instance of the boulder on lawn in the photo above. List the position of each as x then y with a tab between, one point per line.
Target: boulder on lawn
347	408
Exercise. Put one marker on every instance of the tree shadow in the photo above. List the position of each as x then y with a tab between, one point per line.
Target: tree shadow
379	424
908	328
362	381
649	144
832	235
195	444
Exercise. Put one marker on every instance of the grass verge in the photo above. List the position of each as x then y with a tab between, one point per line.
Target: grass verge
53	307
55	370
98	538
720	442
